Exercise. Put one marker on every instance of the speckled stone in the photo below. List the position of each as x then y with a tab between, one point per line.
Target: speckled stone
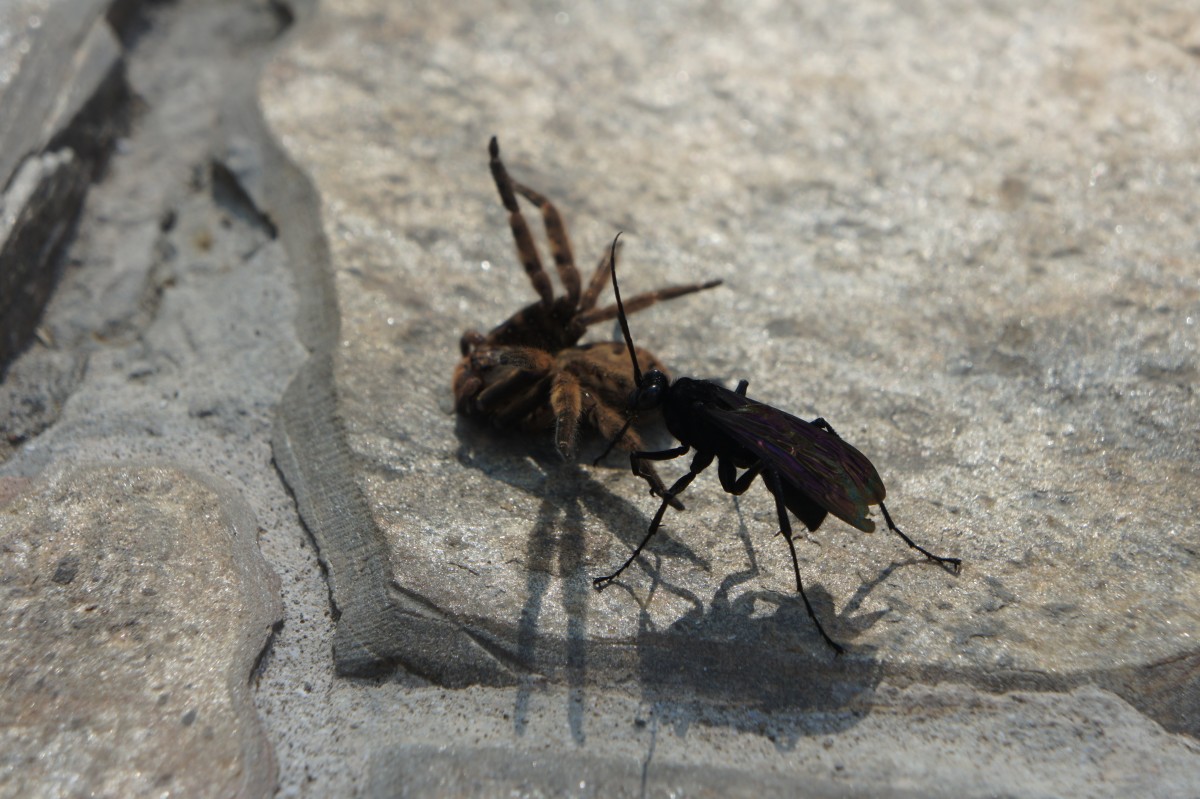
963	237
135	607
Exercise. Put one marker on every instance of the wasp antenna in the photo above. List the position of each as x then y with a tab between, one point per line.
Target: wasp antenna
637	373
612	442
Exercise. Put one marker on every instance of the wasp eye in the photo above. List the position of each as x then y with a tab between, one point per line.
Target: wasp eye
651	393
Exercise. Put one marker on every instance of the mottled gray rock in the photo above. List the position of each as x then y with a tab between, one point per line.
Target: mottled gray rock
56	56
964	238
484	772
928	170
170	339
136	604
122	255
62	93
916	217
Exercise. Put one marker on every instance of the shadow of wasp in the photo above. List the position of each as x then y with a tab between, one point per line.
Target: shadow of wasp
808	468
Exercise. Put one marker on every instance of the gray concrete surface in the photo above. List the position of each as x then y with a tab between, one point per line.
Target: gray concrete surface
964	236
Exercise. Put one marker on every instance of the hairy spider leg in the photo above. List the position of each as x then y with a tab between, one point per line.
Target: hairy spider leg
577	372
526	251
470	340
521	395
528	359
560	245
566	400
582	389
570	402
597	282
640	302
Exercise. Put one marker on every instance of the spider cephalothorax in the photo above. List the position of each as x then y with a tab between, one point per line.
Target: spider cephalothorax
529	371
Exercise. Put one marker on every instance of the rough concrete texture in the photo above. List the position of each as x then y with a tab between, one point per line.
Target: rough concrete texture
964	236
117	580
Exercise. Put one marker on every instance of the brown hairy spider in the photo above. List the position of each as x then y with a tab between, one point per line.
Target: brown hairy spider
528	372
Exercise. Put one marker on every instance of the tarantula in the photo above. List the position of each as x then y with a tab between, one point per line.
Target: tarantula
528	372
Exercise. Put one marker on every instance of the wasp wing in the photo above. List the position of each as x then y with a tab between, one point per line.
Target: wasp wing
813	461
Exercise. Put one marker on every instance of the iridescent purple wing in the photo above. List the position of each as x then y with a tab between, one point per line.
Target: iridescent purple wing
822	466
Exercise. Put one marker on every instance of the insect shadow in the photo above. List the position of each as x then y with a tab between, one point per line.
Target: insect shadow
806	466
715	656
720	664
556	552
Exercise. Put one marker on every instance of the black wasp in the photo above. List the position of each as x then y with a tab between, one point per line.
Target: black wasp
806	466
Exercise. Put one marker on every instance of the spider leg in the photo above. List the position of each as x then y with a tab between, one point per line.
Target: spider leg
465	384
640	302
527	359
611	424
560	245
501	394
466	387
598	281
771	478
596	385
470	340
602	387
699	464
566	399
524	409
526	251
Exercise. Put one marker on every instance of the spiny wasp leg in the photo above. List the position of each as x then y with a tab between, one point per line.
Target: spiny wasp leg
699	464
954	564
785	529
